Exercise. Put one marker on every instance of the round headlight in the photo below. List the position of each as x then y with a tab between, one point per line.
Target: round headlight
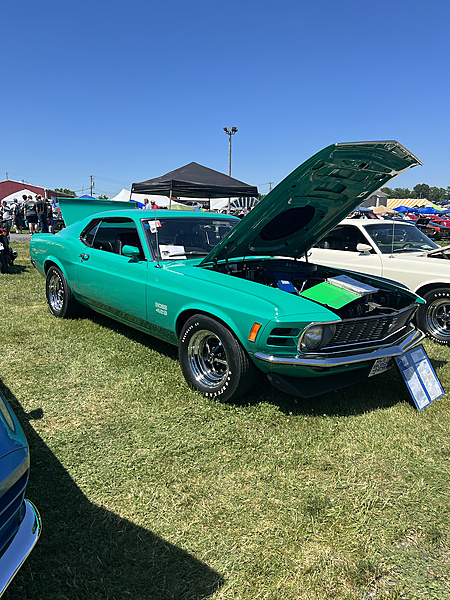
316	337
312	338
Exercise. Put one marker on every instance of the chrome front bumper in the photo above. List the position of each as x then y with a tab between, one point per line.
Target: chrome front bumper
20	546
328	361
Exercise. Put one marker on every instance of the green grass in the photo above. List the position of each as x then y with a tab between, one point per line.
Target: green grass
149	491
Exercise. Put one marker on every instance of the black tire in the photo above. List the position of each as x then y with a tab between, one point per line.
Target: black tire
433	318
213	361
60	300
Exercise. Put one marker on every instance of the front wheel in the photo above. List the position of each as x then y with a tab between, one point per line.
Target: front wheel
213	361
60	299
433	318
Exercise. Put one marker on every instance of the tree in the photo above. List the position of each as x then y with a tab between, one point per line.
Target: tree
66	191
402	193
436	194
422	190
102	197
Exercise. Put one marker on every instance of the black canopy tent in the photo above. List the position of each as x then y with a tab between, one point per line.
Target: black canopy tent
195	181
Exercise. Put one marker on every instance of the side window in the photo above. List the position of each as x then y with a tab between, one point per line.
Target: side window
345	237
115	233
88	234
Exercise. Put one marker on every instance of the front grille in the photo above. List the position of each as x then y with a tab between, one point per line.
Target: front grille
10	509
363	330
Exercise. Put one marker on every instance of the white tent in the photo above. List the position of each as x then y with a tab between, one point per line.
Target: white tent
235	203
19	195
161	201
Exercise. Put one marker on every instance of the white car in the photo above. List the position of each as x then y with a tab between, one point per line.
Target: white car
395	250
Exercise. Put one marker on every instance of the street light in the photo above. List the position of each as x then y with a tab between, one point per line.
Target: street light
230	132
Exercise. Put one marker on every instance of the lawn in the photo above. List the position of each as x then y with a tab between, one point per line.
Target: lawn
147	491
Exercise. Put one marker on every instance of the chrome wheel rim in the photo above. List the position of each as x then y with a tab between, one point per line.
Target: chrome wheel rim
55	293
207	359
438	318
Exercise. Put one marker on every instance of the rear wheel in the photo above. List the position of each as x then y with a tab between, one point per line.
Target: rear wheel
213	361
433	318
60	299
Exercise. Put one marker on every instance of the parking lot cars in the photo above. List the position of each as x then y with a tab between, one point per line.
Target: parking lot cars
400	251
239	297
19	520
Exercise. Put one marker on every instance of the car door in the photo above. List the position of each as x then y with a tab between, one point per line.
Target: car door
339	249
108	280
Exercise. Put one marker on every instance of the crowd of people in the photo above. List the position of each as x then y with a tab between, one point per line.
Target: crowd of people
32	214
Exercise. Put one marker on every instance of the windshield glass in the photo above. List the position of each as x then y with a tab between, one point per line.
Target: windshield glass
399	237
179	238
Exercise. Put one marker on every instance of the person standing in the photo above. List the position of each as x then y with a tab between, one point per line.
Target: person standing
6	216
31	214
41	209
17	215
50	220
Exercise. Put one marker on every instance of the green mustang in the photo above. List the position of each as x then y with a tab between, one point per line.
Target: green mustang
240	297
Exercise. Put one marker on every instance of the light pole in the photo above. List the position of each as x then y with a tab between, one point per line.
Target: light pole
229	133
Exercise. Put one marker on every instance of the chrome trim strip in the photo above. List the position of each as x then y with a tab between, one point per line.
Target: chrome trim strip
20	546
409	342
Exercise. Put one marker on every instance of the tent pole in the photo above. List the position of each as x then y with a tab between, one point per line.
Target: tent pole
170	197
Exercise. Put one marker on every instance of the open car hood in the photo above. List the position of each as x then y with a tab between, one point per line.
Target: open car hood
301	209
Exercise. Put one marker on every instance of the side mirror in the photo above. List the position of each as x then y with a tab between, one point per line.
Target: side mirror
132	252
364	248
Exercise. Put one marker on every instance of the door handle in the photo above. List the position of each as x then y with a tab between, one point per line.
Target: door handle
84	256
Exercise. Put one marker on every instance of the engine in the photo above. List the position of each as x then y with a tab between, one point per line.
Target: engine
347	296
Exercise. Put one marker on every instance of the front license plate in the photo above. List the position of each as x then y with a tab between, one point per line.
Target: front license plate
380	365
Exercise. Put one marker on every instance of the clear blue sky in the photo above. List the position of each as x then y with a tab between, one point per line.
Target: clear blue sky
129	90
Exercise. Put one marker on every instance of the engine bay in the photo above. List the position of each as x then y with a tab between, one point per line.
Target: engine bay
347	296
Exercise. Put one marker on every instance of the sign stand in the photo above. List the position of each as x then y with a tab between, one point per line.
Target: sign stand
420	377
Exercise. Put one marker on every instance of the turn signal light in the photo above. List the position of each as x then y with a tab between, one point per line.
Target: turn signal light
254	332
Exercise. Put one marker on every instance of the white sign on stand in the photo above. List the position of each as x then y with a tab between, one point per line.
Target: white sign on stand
420	377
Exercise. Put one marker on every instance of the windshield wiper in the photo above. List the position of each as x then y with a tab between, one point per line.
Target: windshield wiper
407	249
193	252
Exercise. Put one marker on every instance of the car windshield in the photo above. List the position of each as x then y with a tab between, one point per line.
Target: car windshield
180	238
394	236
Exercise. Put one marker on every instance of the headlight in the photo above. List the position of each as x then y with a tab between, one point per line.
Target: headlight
316	337
312	337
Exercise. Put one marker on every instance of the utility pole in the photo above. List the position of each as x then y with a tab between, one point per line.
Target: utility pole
229	133
92	182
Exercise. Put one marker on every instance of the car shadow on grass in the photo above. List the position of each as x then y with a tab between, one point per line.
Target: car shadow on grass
381	392
135	335
88	552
